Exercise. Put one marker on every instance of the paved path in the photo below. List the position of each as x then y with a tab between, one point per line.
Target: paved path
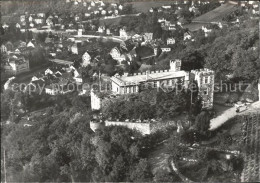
230	113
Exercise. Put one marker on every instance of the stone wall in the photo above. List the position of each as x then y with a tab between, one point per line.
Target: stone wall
144	128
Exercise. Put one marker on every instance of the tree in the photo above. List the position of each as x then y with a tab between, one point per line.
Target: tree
141	172
203	122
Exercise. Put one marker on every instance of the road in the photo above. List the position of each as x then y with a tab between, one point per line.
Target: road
231	113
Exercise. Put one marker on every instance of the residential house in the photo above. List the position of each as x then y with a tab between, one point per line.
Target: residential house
5	26
166	7
123	33
87	15
92	3
117	54
30	18
39	20
30	44
187	36
151	10
42	15
120	7
103	12
166	48
76	18
170	41
108	32
3	49
16	64
116	12
148	36
18	26
101	29
74	49
86	58
137	38
22	18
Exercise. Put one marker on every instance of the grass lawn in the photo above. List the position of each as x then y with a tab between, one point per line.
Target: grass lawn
145	6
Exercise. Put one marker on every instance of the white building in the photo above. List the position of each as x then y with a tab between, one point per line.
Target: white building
148	36
116	55
166	49
17	65
101	29
74	49
123	33
127	84
134	83
86	59
170	41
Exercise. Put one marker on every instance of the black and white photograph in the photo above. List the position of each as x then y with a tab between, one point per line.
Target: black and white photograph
130	91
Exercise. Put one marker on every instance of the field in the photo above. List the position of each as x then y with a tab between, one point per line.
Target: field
145	6
217	14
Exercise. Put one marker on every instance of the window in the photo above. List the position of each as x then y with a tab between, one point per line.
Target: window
155	84
206	80
205	92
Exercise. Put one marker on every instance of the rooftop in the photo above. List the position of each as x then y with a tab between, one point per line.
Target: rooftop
150	76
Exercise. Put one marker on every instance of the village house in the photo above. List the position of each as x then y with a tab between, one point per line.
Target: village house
39	20
137	38
117	55
170	41
16	64
5	26
187	36
120	7
123	33
166	48
101	29
108	32
30	18
30	44
86	59
74	49
22	18
148	36
151	10
18	26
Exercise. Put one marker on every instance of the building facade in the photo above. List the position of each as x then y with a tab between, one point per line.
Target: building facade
172	78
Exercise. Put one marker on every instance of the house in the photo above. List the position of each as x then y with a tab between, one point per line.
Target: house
42	15
86	59
96	12
80	32
123	33
38	20
101	29
103	12
16	64
92	3
30	44
18	26
166	49
87	15
148	36
117	55
187	36
3	49
170	41
76	18
74	49
116	12
31	24
30	18
22	18
160	20
5	26
84	4
49	21
108	32
166	7
48	71
137	38
151	10
120	7
102	3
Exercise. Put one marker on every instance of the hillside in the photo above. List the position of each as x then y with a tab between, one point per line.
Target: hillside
217	14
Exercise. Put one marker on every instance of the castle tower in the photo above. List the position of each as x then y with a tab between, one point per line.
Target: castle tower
205	80
175	65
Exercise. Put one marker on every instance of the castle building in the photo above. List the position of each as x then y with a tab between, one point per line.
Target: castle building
128	84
